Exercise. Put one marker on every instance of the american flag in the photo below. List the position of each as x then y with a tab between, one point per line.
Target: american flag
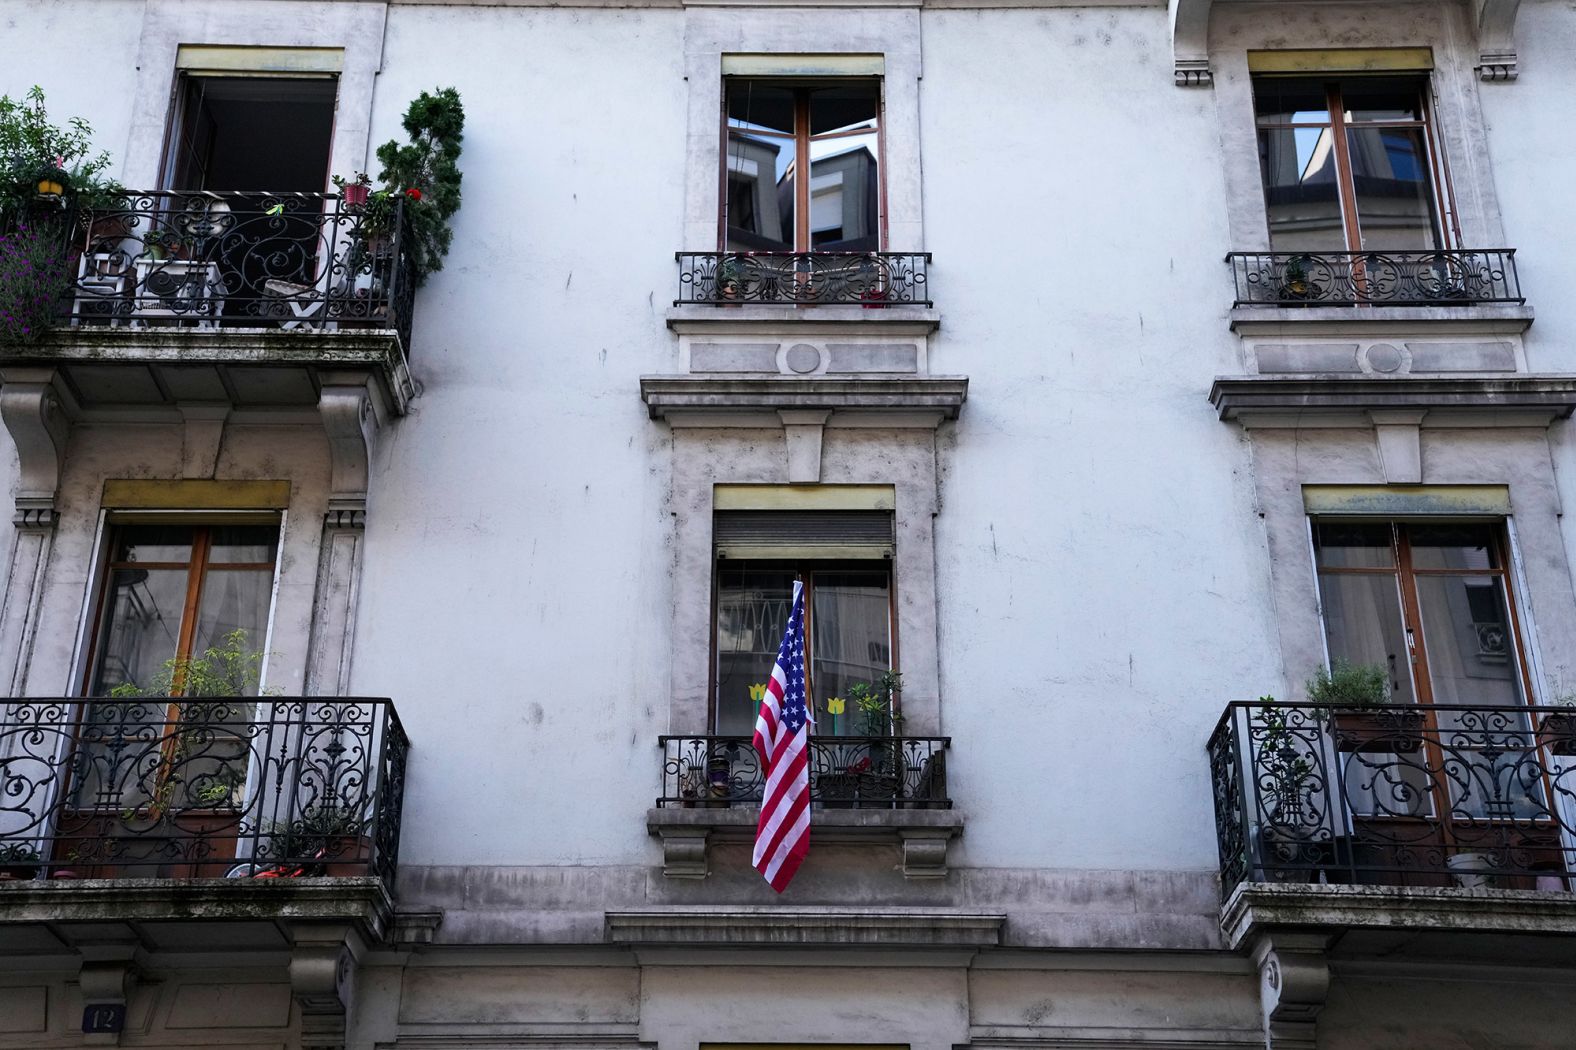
782	837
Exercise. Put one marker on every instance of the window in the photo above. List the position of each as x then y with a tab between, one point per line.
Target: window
843	559
252	134
1428	602
173	592
176	590
775	130
1350	164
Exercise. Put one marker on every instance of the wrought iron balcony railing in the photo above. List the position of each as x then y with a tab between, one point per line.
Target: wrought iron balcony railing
846	772
1456	277
246	787
206	260
1411	795
869	279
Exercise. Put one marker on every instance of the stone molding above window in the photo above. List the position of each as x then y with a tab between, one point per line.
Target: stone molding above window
1492	22
891	32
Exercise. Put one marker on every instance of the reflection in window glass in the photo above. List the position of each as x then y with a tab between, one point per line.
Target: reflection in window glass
1362	621
767	205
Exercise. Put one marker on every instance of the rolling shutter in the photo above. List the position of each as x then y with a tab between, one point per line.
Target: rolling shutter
803	534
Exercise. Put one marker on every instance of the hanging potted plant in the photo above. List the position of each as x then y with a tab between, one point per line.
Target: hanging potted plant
1365	718
425	175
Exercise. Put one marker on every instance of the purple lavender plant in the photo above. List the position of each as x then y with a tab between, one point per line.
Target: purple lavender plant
36	265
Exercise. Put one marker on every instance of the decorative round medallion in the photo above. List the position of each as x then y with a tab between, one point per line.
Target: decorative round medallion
802	358
1385	358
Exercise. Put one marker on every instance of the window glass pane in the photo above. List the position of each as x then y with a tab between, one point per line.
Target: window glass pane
1453	547
141	628
1362	622
153	543
845	189
760	167
1382	98
1395	196
245	544
1290	100
1348	545
850	644
232	621
752	613
1300	189
1471	653
760	194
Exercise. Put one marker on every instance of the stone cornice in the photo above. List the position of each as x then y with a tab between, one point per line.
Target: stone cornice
1488	319
1511	400
666	397
787	320
910	928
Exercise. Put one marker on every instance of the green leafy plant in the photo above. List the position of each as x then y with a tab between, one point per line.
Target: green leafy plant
229	669
1349	685
322	830
32	148
1287	766
425	173
875	703
36	269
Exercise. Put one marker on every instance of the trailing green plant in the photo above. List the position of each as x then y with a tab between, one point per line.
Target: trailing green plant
33	149
1349	685
37	264
425	173
1283	763
320	831
229	669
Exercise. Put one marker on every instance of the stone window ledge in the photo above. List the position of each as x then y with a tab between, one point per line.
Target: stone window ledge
1488	319
1517	399
1254	908
674	397
924	834
823	926
908	320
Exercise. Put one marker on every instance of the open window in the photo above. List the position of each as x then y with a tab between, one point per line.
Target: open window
778	130
1351	163
239	134
164	754
844	559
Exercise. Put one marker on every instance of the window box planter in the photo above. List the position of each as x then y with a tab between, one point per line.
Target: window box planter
1391	729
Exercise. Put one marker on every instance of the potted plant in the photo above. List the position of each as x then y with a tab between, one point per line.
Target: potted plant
333	836
729	278
425	175
41	162
354	190
1286	775
877	775
36	271
1557	731
1294	278
1364	718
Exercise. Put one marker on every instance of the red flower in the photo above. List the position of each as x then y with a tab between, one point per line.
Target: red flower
413	193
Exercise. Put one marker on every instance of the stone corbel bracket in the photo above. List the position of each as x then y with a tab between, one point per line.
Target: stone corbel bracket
924	835
1190	42
1496	34
1294	981
34	415
323	963
352	414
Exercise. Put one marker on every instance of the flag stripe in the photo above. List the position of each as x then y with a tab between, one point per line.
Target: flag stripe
782	731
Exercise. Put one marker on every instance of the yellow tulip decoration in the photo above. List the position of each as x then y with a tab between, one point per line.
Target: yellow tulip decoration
757	693
836	705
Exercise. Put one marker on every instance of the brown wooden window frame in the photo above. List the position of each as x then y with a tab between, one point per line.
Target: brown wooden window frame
801	138
1447	229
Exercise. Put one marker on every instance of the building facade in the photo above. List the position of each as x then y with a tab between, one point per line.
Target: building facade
1106	371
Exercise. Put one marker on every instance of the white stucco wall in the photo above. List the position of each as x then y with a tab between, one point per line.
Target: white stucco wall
1101	571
